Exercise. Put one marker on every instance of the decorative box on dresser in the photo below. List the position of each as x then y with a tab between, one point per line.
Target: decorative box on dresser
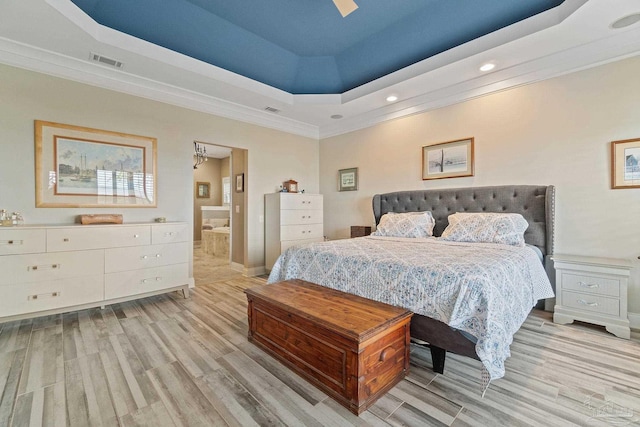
592	290
52	269
291	219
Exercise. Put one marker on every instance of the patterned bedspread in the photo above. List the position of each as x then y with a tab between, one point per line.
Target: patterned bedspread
486	290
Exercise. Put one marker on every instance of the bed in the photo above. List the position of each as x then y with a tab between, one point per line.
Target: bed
534	203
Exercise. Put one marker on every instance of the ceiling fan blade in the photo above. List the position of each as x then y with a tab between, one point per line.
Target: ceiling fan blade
345	6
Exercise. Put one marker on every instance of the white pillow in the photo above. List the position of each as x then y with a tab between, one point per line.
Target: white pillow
409	224
505	228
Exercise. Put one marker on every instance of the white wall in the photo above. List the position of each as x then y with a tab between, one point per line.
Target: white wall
553	132
25	96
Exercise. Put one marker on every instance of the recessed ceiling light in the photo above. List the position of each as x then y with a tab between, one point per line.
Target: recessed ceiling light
487	67
392	98
337	116
626	21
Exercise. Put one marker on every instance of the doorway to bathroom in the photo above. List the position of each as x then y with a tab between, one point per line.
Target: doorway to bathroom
218	213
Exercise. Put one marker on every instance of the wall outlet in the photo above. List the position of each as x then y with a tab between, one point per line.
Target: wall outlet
237	208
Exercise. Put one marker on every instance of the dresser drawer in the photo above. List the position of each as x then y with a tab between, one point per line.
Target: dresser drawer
286	244
591	284
45	267
137	257
53	294
169	233
300	216
591	303
297	232
135	282
96	237
22	241
301	201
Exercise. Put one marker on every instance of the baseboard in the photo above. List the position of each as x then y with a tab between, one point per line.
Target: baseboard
237	267
634	320
255	271
248	272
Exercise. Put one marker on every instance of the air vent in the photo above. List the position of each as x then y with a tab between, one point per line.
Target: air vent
271	110
106	61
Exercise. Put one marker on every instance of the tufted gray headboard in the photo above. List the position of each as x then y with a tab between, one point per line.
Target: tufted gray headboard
534	202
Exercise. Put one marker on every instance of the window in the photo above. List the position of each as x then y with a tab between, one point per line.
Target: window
226	190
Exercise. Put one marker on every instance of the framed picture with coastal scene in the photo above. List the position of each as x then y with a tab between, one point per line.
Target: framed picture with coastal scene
452	159
625	164
84	167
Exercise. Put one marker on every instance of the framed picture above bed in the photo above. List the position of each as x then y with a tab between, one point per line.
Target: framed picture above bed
625	163
451	159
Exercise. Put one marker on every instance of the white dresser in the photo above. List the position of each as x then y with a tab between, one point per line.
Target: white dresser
291	219
592	290
53	269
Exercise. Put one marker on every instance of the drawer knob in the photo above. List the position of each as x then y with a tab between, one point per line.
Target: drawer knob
44	267
50	295
589	304
12	242
144	256
135	236
386	353
66	239
158	255
589	285
169	233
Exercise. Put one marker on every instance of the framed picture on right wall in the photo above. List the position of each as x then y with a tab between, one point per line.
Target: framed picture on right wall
625	164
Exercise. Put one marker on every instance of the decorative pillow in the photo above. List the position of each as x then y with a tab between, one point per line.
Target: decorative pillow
505	228
409	224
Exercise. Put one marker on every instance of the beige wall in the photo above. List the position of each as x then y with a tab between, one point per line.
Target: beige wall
239	161
25	96
553	132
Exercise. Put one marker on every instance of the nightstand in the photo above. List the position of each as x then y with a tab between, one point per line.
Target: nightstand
360	230
592	290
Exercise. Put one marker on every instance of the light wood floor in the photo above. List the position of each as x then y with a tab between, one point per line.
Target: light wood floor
166	361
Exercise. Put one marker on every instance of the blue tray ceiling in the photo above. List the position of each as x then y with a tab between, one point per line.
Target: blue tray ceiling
306	46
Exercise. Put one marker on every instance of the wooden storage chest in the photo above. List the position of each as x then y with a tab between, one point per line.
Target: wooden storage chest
352	348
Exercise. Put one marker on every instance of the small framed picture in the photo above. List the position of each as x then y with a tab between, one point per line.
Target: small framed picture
239	183
203	190
452	159
348	179
625	164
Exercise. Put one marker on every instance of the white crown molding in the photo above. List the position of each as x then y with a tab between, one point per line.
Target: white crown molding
35	59
599	52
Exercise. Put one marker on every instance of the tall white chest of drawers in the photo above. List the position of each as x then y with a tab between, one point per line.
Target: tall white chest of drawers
53	269
592	290
291	219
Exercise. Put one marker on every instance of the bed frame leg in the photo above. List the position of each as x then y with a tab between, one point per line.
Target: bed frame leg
437	356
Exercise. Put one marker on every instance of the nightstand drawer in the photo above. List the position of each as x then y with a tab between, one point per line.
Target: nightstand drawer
591	284
591	303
